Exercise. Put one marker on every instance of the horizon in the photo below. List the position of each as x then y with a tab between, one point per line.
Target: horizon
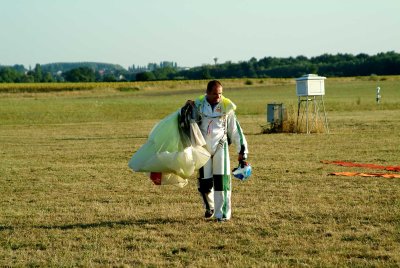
126	68
192	34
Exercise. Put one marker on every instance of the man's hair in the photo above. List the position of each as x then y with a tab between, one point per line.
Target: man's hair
212	84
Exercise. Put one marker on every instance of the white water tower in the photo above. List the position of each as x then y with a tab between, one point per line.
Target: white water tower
310	90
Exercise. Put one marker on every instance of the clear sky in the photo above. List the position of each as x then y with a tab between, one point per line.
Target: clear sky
192	32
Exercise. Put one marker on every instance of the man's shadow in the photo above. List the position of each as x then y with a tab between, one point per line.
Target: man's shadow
109	224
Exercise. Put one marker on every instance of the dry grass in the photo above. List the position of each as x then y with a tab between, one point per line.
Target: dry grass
69	199
135	86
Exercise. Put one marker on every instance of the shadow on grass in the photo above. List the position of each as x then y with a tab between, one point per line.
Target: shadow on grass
101	138
112	224
4	228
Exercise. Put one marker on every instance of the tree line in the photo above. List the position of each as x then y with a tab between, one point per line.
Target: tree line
339	65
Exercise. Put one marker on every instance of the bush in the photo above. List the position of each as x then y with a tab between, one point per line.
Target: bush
248	82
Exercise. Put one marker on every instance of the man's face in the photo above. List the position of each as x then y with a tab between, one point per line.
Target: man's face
214	96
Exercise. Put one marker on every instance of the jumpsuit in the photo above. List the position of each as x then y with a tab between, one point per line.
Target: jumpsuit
219	127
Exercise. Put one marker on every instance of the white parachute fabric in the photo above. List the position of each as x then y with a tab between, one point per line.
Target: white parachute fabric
171	152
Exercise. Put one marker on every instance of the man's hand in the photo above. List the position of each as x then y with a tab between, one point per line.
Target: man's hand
241	157
190	102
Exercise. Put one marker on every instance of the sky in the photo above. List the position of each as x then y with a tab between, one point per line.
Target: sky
192	32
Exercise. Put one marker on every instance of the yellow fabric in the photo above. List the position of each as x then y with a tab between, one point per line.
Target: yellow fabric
227	104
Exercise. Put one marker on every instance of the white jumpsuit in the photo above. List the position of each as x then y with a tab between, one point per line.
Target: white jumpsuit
219	127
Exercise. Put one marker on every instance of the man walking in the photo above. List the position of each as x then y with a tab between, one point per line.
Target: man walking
217	121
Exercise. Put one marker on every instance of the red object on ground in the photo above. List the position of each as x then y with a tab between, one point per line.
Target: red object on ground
373	166
155	177
350	174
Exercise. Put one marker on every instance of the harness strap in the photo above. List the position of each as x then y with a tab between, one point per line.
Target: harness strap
227	106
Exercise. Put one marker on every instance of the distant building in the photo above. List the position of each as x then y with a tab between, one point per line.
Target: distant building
153	66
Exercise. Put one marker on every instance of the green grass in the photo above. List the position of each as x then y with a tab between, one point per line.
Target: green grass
67	197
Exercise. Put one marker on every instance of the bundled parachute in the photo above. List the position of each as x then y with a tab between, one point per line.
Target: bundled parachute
173	151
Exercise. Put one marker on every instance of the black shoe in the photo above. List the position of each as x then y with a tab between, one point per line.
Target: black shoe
209	213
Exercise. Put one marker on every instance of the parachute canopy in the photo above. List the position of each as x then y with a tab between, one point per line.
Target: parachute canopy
170	155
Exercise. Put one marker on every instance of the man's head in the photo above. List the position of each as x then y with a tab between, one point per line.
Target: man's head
214	92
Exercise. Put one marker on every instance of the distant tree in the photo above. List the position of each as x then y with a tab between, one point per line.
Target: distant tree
313	69
27	79
164	73
109	78
38	73
362	57
19	68
205	74
248	70
301	58
145	76
48	78
81	74
9	75
253	60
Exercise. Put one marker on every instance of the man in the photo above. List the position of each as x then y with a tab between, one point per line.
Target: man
216	118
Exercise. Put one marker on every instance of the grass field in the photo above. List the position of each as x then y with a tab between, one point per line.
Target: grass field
68	198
